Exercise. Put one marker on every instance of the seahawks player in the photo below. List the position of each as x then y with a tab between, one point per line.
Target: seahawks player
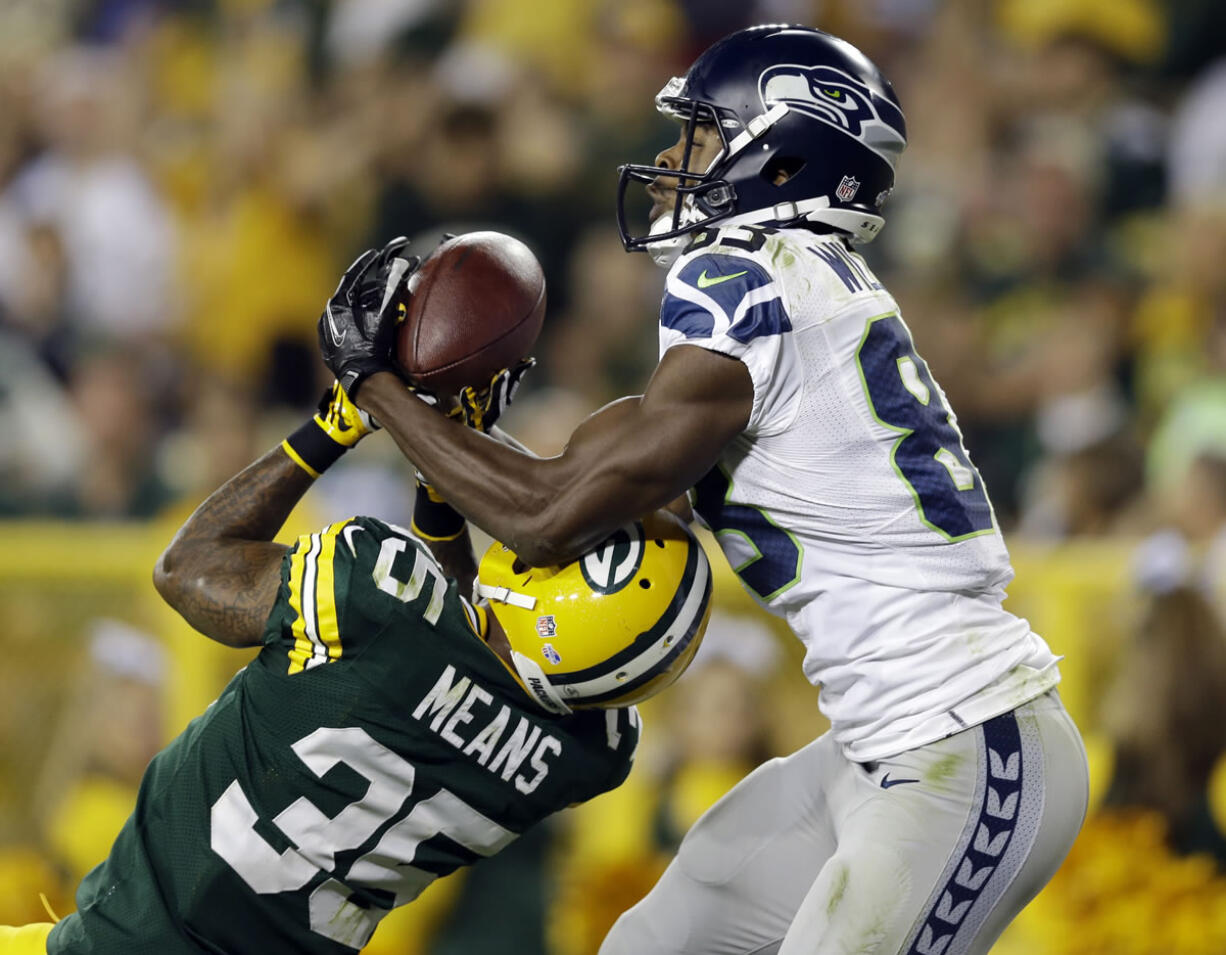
389	731
791	403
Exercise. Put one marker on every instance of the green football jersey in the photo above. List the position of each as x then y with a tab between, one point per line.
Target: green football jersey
375	743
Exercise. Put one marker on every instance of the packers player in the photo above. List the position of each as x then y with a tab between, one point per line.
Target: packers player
792	405
389	731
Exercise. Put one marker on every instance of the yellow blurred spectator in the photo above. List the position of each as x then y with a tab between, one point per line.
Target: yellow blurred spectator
561	38
1132	29
101	746
1121	891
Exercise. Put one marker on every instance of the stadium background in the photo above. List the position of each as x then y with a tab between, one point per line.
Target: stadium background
181	182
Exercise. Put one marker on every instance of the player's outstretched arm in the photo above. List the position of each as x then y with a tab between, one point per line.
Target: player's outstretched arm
626	460
221	571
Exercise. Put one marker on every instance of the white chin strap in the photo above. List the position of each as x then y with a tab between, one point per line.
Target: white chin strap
504	596
538	684
665	252
863	226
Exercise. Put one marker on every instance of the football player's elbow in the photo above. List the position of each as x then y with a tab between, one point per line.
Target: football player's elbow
546	543
163	577
555	540
168	577
537	548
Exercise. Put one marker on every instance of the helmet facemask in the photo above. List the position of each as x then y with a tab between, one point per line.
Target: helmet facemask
700	197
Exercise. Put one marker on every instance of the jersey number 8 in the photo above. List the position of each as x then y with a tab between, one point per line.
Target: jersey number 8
928	454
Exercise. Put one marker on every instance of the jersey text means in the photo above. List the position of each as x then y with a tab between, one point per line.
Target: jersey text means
450	703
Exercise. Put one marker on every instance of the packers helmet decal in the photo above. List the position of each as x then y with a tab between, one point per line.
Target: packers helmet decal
613	627
654	650
612	565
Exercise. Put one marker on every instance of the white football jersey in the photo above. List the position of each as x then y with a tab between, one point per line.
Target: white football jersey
849	504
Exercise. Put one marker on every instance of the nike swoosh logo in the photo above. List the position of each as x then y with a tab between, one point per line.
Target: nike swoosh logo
338	337
705	281
347	533
886	782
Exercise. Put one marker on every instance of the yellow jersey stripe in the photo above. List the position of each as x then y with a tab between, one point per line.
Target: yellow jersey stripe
329	631
301	567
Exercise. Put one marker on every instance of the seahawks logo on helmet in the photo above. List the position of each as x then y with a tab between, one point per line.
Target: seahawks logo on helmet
839	100
612	565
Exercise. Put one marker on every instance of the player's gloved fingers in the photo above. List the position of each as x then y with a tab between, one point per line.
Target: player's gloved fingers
386	263
353	274
393	248
411	264
473	405
515	378
395	292
359	282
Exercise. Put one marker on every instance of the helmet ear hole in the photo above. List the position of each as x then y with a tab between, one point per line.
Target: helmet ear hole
645	584
519	567
782	168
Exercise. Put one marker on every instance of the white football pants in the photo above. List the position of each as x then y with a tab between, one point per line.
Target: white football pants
931	852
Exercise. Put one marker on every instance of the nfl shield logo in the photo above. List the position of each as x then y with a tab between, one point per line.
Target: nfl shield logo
546	626
848	188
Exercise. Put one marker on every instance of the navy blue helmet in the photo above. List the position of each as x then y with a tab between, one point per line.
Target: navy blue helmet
787	100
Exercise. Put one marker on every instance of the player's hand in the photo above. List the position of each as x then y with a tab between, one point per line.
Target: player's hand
342	420
321	441
358	324
480	409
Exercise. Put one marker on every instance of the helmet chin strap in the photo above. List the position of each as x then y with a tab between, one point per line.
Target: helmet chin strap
666	251
503	595
863	226
538	684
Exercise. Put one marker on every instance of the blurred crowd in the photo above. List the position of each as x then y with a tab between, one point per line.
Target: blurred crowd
182	182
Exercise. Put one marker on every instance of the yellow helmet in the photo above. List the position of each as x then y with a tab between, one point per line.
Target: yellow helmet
610	628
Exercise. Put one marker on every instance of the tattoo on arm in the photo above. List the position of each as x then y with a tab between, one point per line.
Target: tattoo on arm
222	571
225	589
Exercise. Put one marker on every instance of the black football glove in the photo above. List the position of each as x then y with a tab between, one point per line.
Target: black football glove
480	409
358	325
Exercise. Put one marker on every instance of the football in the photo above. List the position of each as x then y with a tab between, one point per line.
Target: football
476	306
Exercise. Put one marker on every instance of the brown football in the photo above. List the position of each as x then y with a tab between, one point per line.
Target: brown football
476	307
